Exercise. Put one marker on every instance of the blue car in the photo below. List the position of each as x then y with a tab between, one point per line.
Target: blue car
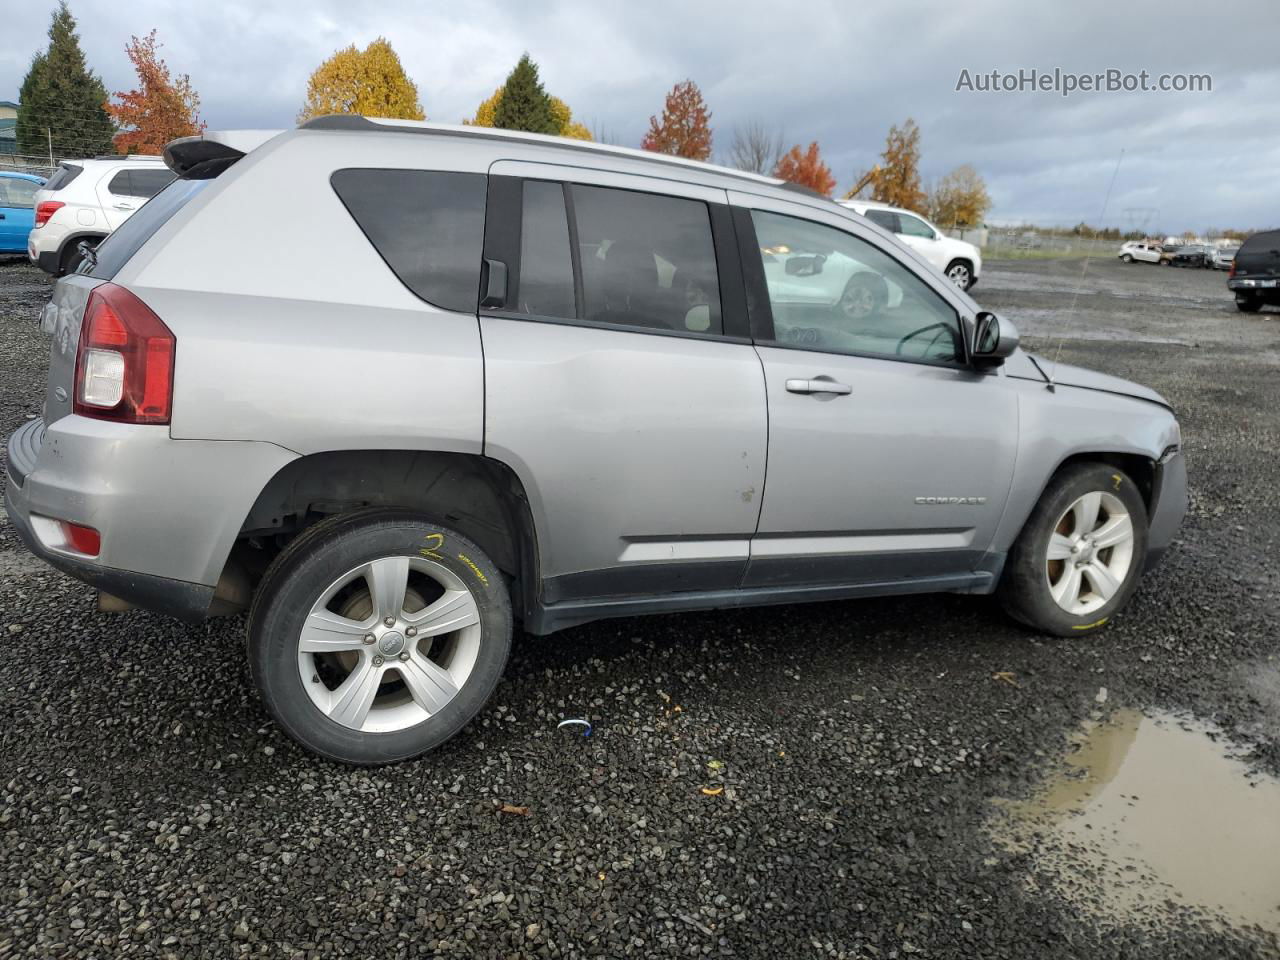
17	209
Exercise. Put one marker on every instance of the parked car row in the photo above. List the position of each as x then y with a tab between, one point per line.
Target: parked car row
54	221
1203	255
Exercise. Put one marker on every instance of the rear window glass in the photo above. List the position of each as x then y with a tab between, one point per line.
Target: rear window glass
115	251
140	183
427	225
65	173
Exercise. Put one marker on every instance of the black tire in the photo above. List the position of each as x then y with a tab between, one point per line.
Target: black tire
1024	587
1127	258
1251	305
71	257
296	580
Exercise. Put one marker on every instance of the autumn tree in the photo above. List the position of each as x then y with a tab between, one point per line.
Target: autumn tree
756	147
522	102
61	109
369	82
898	180
162	108
806	168
960	198
684	129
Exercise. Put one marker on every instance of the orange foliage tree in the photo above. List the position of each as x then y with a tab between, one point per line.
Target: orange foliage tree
161	109
806	168
684	130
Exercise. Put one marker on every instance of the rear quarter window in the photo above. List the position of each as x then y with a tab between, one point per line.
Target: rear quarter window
428	226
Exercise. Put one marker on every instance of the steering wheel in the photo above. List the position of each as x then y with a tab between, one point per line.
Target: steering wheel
940	327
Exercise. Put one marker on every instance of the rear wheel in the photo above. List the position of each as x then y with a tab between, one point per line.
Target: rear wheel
1249	305
376	636
1078	559
72	257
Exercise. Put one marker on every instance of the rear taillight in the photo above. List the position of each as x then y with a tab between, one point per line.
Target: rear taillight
1231	270
46	209
124	363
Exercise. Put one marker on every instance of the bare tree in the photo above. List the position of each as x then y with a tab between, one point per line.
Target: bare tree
602	133
756	147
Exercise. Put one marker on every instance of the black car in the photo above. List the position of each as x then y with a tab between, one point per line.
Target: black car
1255	274
1192	255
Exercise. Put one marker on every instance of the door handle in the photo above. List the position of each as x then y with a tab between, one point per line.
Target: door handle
124	206
818	385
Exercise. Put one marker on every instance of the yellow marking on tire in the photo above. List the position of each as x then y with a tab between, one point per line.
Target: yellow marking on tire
474	569
1090	626
1118	478
433	541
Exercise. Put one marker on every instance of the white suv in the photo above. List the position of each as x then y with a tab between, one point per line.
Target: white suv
85	200
959	260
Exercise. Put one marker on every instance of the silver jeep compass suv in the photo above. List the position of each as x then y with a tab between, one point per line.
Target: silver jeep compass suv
464	378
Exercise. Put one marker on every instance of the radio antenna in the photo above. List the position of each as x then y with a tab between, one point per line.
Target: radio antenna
1084	272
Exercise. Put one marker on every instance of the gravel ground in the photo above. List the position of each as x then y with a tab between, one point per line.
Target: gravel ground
149	808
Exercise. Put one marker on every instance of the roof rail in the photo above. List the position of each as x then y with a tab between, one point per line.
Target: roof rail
127	156
353	122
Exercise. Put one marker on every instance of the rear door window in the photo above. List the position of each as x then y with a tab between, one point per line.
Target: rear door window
15	192
648	260
427	225
140	183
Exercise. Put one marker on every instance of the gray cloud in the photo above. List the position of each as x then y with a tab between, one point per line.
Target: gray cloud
839	73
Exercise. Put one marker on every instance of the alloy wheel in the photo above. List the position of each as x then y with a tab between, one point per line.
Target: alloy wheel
389	644
1090	553
959	275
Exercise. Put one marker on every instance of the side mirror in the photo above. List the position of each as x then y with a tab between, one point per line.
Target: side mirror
805	266
993	339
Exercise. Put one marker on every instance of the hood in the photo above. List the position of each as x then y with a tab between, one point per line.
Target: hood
1033	367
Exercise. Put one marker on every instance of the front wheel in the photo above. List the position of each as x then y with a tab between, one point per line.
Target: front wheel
1250	305
1078	559
1127	258
960	273
377	636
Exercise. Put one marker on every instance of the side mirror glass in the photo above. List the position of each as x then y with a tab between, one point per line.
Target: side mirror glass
805	266
994	339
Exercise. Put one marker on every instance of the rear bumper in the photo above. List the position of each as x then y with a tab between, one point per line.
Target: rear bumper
1168	505
168	511
176	598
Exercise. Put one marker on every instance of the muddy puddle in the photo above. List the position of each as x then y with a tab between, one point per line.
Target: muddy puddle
1153	814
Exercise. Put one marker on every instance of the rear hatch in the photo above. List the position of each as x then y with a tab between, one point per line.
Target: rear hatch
196	161
1259	256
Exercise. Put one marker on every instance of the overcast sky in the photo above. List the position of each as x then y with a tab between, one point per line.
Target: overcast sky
839	73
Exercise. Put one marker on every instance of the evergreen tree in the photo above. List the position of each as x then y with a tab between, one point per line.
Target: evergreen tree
63	99
524	105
